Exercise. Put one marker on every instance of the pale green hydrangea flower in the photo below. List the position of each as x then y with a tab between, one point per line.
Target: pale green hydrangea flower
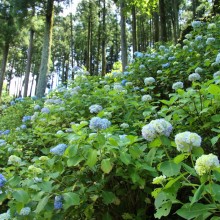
206	163
185	141
159	180
13	159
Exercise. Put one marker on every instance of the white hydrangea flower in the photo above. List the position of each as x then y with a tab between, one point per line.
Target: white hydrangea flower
13	159
210	40
212	26
156	128
159	71
25	211
185	47
194	77
198	70
185	141
107	87
95	108
217	60
118	87
149	81
146	98
216	74
124	125
206	163
177	85
159	179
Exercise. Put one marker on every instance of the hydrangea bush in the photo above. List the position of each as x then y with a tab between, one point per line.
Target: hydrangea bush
151	142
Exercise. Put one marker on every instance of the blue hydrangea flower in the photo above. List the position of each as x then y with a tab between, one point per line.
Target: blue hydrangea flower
23	127
194	77
196	24
156	128
210	40
217	60
59	149
45	110
58	202
26	118
177	85
123	82
138	54
97	123
166	65
37	107
2	180
5	216
2	142
25	211
95	108
6	132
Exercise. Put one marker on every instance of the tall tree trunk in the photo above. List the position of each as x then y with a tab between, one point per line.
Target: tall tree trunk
71	42
28	67
88	54
45	57
103	39
195	4
124	53
163	22
3	66
156	26
134	28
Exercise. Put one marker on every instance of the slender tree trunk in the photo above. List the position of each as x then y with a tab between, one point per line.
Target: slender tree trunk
3	66
45	57
163	22
124	54
28	67
103	39
88	54
156	26
134	28
71	42
32	84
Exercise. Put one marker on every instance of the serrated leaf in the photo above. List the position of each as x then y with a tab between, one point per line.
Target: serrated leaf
198	194
169	168
41	205
214	89
108	197
92	158
155	143
21	196
71	199
125	158
106	166
74	161
179	158
216	118
214	140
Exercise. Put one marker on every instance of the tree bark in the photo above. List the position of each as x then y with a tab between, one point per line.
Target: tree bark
156	26
3	66
103	39
28	67
124	54
134	28
163	28
46	51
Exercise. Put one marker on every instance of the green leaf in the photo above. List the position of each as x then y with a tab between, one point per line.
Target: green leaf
125	158
135	151
107	216
214	190
92	158
150	156
70	199
74	161
21	196
165	141
214	89
108	197
188	211
169	168
198	194
172	181
71	151
216	118
106	165
180	158
214	140
14	181
155	143
46	186
41	205
163	210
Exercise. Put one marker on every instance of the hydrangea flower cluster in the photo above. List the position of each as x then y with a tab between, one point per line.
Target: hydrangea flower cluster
45	110
58	202
210	40
59	149
217	59
146	98
95	108
198	38
97	123
118	87
177	85
2	180
196	24
194	77
138	54
5	216
206	163
26	118
149	81
2	142
23	127
216	74
35	170
37	107
156	128
198	70
13	159
211	26
185	141
25	211
123	82
124	125
159	179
